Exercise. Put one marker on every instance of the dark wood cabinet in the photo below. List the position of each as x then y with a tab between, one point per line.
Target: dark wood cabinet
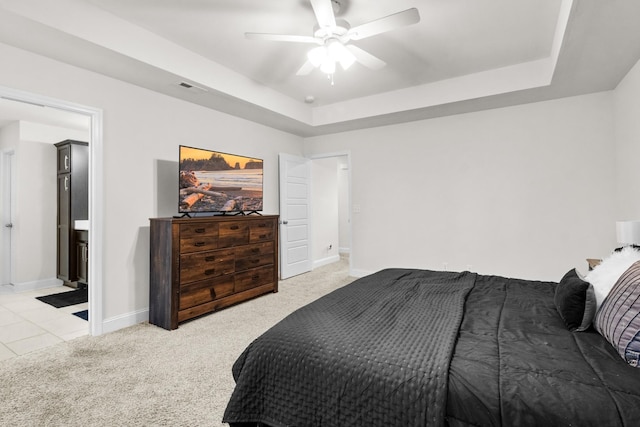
200	265
73	204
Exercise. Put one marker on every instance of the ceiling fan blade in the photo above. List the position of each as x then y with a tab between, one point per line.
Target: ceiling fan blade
282	38
365	58
382	25
307	68
323	10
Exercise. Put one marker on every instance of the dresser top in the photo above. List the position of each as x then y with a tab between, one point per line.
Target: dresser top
185	220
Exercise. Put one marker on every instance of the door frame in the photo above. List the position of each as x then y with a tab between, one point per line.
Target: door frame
346	153
95	192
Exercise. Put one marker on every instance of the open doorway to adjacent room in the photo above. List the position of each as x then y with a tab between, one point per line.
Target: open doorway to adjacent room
331	212
315	213
30	125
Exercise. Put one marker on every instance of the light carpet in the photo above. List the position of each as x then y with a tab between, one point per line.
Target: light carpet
145	375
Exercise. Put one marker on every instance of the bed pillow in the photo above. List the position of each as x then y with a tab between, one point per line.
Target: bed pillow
618	320
605	275
575	301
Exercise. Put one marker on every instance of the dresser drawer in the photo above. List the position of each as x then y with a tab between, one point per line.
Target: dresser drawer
204	265
198	237
253	262
255	249
252	278
261	231
205	291
233	233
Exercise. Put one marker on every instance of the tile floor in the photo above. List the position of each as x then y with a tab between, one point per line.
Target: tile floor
27	324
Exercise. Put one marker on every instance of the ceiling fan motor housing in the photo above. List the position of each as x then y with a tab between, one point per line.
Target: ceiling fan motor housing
340	31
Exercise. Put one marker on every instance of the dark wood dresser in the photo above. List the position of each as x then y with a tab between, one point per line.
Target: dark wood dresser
200	265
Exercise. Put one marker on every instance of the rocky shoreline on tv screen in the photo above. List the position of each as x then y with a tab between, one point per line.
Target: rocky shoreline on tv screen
197	196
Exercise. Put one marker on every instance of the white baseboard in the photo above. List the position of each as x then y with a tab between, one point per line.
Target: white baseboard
325	261
125	320
360	273
36	284
130	319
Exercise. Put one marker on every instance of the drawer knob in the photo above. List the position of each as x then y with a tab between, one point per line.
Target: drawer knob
210	258
234	227
210	271
198	244
263	236
256	277
255	250
200	230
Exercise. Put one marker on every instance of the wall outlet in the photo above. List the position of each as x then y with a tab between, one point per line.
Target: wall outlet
330	246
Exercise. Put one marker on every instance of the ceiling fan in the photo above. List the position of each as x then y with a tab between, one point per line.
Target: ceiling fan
333	36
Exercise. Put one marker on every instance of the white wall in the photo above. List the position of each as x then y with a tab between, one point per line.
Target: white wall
525	191
10	136
142	131
325	211
627	137
52	134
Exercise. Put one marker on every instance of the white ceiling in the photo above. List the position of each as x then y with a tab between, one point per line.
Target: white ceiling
463	55
437	48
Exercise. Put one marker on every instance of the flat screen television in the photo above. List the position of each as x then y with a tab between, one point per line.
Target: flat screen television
212	181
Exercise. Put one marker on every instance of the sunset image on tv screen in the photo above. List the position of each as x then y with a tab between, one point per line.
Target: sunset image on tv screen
211	181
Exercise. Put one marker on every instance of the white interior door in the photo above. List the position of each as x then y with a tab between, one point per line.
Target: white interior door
7	215
295	200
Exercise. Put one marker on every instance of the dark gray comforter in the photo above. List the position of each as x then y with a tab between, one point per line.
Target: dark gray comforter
416	348
516	364
374	353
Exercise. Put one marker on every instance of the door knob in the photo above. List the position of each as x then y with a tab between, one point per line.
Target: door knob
9	225
285	222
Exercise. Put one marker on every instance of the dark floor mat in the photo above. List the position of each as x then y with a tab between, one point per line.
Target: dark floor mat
64	299
84	314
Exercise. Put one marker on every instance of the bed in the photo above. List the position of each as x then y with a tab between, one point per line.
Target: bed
406	347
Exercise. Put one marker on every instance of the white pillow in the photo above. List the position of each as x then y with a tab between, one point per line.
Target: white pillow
605	275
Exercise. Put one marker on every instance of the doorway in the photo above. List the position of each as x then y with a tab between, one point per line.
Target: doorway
339	190
315	211
95	190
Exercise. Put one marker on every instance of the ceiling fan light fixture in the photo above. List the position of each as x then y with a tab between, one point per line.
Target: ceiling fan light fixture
317	55
328	66
339	53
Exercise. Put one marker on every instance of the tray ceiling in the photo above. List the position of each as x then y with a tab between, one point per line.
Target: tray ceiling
463	55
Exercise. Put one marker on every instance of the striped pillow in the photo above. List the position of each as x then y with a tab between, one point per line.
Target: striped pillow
618	319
